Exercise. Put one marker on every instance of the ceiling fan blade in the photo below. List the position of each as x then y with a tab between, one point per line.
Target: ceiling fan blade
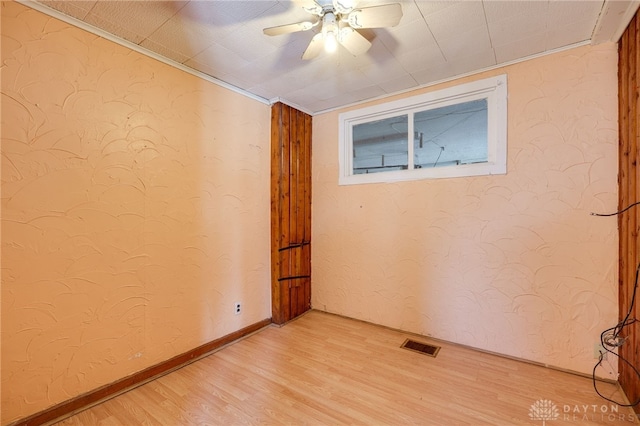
314	48
353	41
310	6
290	28
386	15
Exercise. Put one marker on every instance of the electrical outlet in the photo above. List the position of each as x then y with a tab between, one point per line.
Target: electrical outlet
237	308
599	349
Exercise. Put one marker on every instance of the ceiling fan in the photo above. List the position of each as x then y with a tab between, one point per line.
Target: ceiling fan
339	20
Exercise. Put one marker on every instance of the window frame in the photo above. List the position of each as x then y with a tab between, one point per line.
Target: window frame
494	89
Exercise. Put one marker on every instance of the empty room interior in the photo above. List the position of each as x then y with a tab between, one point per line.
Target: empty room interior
320	212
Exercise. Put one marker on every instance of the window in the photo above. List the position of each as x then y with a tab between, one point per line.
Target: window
459	131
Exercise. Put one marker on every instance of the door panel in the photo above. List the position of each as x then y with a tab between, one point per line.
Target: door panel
290	212
629	194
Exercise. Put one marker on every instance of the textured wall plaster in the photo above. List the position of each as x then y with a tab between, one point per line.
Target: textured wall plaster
135	211
513	264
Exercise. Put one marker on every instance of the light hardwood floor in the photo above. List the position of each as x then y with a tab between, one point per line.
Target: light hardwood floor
322	369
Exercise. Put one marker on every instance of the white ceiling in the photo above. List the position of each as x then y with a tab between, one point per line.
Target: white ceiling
435	41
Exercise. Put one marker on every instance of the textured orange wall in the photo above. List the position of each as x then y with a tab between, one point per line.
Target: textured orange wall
135	211
512	264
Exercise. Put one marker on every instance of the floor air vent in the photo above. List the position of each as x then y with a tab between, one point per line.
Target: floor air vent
423	348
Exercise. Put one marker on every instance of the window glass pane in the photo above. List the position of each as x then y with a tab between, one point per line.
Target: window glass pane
380	146
459	131
451	135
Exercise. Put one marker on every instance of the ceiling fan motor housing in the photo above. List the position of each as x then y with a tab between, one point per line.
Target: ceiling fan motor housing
329	22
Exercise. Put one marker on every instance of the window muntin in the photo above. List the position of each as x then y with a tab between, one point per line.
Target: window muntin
460	131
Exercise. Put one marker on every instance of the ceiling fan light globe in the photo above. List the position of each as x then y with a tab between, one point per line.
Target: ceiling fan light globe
329	22
330	42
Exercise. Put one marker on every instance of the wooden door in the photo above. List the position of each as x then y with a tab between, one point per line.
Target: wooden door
629	194
290	212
